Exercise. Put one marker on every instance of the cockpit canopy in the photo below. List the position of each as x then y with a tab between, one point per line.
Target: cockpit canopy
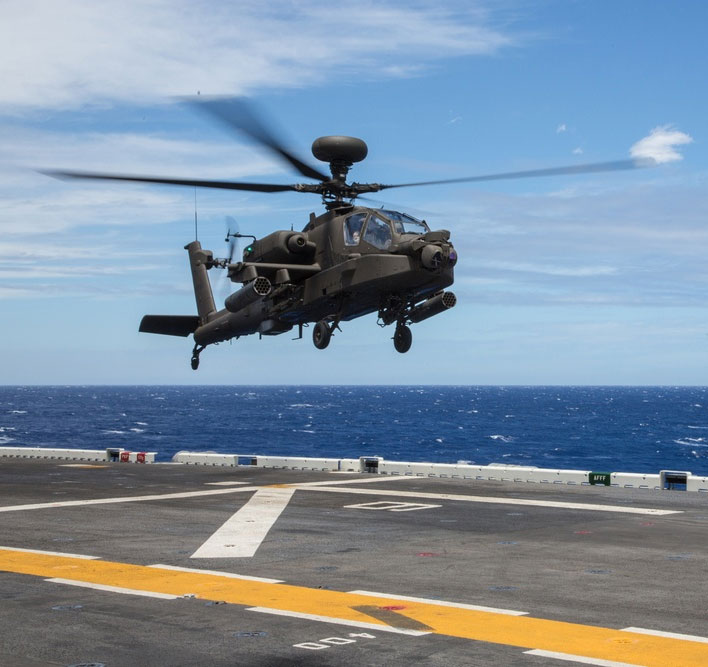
378	228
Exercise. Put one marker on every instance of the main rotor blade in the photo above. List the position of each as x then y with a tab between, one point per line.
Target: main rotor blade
618	165
236	113
223	185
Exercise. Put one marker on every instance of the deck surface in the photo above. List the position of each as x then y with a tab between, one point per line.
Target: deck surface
128	564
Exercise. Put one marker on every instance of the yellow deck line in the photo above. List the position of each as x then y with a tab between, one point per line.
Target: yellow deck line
521	631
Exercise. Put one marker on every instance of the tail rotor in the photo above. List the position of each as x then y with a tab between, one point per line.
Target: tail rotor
232	234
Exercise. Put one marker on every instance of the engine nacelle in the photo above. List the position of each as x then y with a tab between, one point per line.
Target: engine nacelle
433	306
248	294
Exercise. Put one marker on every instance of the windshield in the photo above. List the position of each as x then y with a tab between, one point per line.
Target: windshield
406	224
352	228
378	232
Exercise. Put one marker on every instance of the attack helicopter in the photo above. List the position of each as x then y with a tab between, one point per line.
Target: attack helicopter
347	262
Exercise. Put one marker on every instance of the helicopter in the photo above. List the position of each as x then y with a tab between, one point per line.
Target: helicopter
347	262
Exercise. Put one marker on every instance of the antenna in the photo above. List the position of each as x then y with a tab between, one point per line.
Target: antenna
196	224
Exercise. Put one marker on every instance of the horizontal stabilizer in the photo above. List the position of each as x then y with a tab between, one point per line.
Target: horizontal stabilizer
169	325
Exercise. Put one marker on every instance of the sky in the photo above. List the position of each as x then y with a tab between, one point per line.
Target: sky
589	279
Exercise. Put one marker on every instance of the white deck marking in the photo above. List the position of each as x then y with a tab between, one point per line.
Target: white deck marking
51	553
339	621
671	635
223	483
442	603
579	658
364	480
81	465
588	507
219	573
185	494
126	499
113	589
244	532
391	506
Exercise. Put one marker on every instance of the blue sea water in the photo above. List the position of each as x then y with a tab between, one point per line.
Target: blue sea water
629	429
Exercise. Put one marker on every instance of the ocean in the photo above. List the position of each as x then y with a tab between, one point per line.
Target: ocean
611	429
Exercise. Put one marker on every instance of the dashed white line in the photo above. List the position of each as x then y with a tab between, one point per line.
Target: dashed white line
671	635
219	573
578	658
113	589
442	603
51	553
339	621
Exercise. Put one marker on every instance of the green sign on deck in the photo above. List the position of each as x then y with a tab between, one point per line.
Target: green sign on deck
599	478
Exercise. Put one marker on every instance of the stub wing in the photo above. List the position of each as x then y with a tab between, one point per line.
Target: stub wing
169	325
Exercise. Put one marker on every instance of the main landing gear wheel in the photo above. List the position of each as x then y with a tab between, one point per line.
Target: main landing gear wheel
402	338
321	335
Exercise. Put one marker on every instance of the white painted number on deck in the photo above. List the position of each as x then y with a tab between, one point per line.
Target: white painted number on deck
390	506
328	642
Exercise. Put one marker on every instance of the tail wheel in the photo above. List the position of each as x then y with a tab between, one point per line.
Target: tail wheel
321	335
402	338
194	361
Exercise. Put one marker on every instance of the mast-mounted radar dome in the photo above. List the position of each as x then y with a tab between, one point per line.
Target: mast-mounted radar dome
339	149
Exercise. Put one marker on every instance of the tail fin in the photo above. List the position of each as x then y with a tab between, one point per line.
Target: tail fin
184	325
198	260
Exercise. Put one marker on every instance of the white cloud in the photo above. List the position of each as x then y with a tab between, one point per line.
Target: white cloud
70	53
34	204
553	269
660	145
577	151
129	152
624	244
561	128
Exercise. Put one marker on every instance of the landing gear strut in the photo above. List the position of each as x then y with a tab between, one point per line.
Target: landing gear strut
402	338
198	349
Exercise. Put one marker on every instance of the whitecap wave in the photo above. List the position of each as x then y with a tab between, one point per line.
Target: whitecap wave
137	430
114	432
692	442
18	412
4	439
503	438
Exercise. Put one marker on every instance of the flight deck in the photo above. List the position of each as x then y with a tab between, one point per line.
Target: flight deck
118	564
